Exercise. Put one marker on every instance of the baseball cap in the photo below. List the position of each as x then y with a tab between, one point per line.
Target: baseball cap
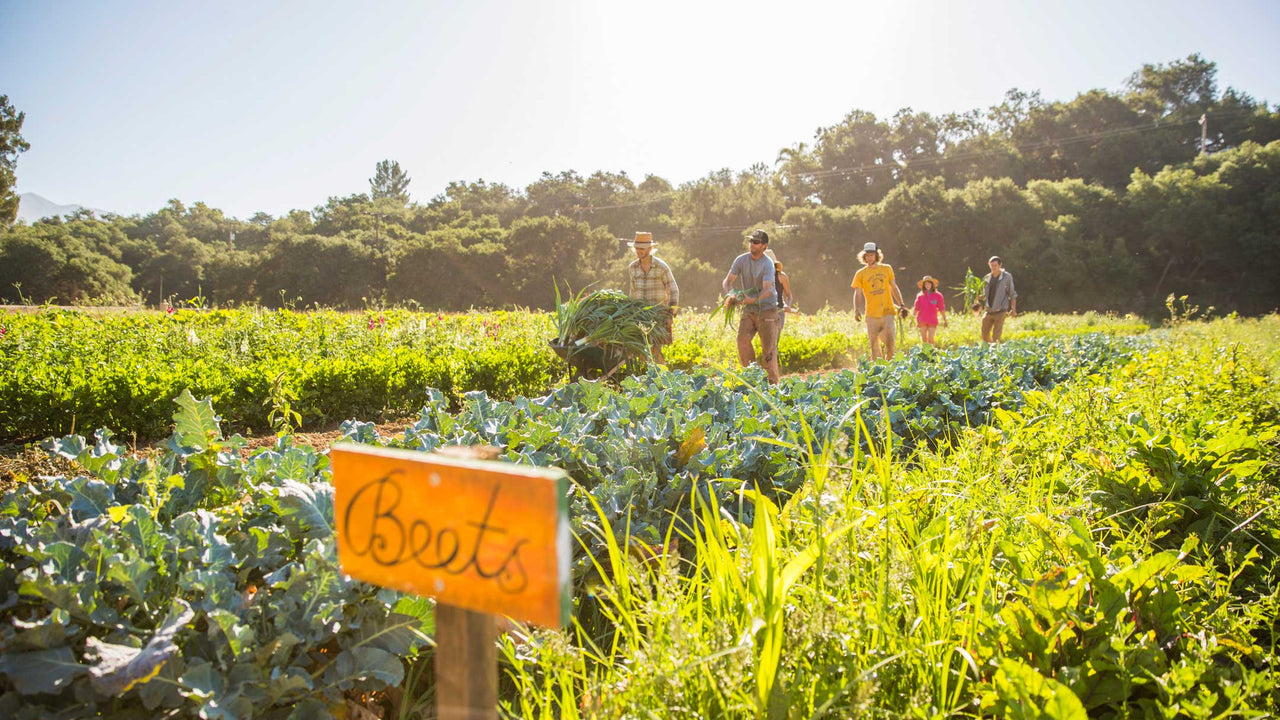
869	247
759	236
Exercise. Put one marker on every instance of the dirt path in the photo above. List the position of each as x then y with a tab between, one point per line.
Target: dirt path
25	460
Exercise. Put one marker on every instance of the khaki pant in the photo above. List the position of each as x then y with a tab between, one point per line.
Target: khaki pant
993	326
764	323
882	328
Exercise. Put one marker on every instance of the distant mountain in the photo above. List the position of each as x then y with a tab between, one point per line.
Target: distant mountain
32	207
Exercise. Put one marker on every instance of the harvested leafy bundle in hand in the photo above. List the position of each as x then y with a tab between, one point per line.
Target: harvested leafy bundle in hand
735	299
609	318
972	289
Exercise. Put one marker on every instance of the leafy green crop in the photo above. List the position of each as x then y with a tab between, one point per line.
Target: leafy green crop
205	583
62	370
195	581
623	447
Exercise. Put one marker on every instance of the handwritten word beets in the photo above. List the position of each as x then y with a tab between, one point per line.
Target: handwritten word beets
371	527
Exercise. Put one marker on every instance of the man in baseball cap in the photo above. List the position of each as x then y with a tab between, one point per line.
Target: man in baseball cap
874	285
752	273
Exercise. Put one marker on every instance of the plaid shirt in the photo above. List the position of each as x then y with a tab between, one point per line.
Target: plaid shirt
657	286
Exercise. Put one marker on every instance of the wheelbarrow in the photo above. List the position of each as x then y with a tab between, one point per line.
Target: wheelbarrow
590	361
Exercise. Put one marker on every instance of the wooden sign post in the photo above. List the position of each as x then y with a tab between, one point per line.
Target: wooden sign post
482	538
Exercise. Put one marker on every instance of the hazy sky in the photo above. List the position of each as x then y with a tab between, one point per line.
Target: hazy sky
271	106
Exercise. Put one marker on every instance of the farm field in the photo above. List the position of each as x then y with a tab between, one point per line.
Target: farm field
1083	524
62	370
1056	527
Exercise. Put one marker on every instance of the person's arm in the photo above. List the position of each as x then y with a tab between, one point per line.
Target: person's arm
893	285
673	290
768	285
859	304
727	285
1013	298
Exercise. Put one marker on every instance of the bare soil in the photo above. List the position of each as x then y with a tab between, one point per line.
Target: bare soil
20	461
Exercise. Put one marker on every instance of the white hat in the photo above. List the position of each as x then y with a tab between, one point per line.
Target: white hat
869	247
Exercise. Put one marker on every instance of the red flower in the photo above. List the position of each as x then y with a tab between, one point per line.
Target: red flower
3	331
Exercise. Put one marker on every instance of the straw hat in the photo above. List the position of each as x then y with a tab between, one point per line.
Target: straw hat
769	254
644	240
927	279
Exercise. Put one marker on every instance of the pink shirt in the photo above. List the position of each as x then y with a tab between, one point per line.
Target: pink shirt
927	307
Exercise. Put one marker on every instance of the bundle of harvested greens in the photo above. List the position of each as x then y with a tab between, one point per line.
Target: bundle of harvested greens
612	321
972	290
731	305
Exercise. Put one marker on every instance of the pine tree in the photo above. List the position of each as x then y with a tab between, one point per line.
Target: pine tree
11	143
389	181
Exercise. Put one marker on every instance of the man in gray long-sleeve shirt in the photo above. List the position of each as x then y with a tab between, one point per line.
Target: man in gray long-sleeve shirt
999	298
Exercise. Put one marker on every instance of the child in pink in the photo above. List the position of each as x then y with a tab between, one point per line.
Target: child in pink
929	306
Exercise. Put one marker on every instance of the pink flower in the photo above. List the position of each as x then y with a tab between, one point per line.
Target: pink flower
3	331
169	309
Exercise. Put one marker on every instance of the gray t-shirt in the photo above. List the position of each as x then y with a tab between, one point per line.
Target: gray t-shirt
753	274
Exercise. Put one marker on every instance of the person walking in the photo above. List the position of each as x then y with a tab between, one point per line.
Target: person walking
999	298
754	275
928	307
875	288
650	279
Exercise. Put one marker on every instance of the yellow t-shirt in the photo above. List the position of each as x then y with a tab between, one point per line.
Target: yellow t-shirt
874	282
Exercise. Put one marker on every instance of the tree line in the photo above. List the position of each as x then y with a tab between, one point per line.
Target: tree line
1109	201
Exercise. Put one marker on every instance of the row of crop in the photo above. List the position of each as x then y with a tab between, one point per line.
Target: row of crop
827	339
62	370
207	583
196	580
639	450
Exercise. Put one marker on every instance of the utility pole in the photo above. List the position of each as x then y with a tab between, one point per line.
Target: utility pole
1204	133
377	217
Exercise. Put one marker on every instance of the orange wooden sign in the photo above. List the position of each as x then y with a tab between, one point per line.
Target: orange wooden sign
486	536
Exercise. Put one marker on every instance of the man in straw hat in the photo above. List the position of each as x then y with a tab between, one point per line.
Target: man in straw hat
650	279
875	287
753	273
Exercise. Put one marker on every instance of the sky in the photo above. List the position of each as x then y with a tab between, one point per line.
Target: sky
273	106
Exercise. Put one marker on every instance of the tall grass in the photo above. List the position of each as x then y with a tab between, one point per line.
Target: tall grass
993	577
